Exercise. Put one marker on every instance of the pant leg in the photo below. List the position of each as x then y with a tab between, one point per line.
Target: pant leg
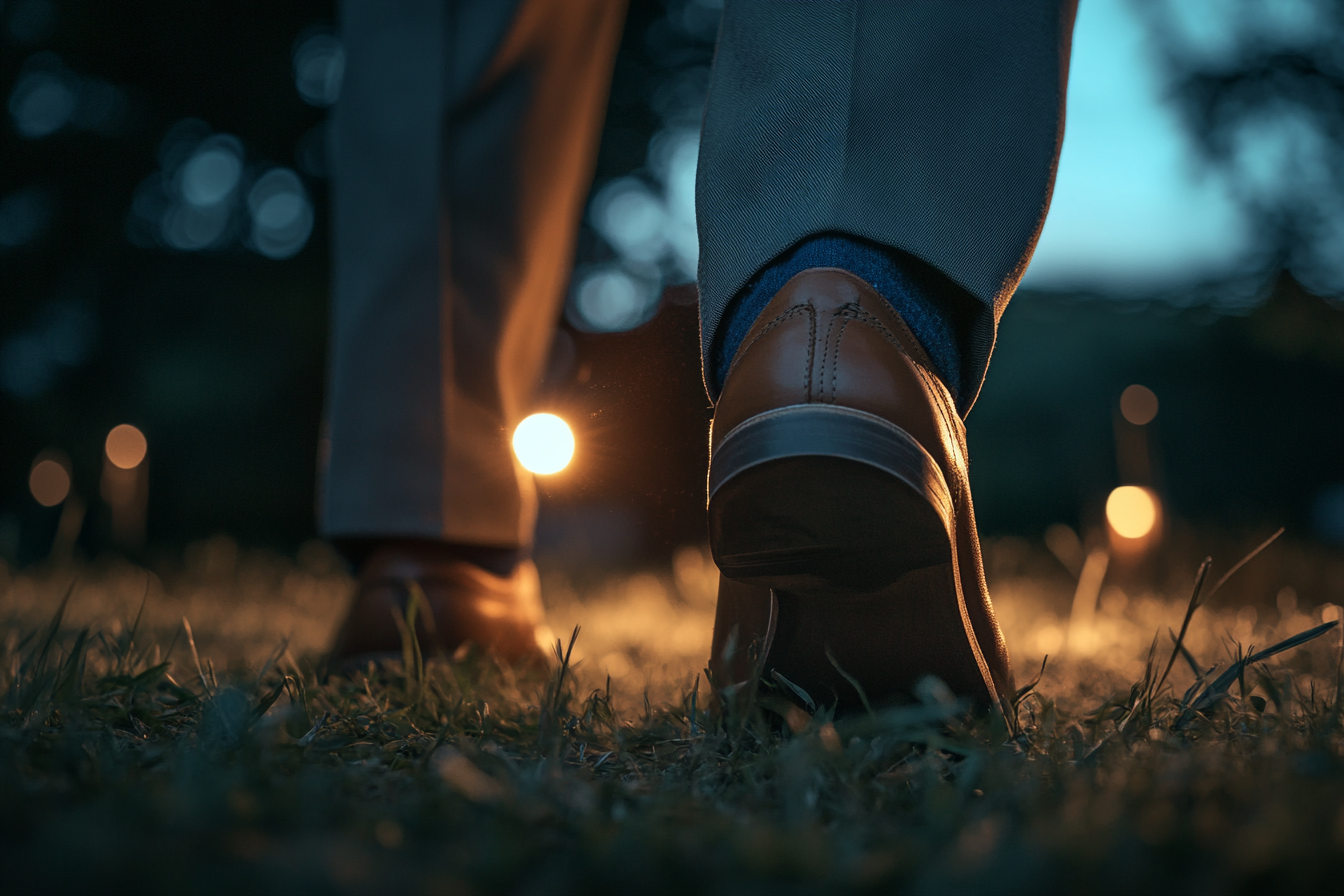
932	128
464	143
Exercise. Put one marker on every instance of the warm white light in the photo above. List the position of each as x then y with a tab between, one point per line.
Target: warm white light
1131	511
543	444
126	446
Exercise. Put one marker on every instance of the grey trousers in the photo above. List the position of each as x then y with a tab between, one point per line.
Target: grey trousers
464	144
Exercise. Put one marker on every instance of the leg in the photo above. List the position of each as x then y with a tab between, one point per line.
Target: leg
930	131
465	140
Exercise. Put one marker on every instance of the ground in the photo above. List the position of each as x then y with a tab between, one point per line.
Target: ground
199	747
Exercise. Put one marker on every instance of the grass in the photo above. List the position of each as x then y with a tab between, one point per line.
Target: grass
141	752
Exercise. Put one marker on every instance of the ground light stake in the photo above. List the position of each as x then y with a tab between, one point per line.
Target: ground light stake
125	484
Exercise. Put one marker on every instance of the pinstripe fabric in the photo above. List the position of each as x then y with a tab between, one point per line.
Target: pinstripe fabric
931	127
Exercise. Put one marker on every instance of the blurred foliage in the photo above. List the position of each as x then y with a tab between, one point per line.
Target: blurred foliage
218	356
1260	84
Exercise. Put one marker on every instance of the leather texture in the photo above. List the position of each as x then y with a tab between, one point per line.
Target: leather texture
829	338
468	604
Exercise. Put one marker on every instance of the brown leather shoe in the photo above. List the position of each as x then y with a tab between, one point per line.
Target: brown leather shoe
840	509
502	614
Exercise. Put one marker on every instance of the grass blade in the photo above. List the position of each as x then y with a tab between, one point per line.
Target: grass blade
1216	691
1243	561
135	627
854	682
1190	608
196	657
71	672
40	665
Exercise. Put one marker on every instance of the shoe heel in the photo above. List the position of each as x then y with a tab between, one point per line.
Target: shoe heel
816	497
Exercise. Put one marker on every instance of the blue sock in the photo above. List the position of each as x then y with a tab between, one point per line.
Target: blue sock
894	275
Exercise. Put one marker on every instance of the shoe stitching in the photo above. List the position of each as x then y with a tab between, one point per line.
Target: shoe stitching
779	319
950	418
931	382
811	351
826	356
855	312
835	370
916	353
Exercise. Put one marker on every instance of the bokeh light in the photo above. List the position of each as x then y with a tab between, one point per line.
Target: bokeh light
48	97
673	155
190	204
1138	404
190	228
630	217
1131	511
543	444
42	103
282	216
206	184
49	482
652	230
126	446
319	68
213	171
193	203
610	298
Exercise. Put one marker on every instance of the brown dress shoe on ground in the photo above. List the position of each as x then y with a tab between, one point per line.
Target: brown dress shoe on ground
840	509
467	604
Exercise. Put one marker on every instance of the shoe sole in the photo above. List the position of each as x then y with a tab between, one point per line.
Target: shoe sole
822	497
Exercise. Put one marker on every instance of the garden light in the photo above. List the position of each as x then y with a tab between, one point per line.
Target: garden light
49	482
1131	511
543	444
1138	404
126	446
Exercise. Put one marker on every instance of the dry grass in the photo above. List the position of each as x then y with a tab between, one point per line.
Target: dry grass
133	757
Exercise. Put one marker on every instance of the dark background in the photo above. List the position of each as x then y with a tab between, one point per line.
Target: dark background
218	355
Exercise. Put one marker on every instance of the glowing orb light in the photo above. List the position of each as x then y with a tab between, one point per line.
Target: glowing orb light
543	444
1138	404
126	446
1131	511
49	481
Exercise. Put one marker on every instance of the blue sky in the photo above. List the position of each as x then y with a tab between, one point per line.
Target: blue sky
1131	211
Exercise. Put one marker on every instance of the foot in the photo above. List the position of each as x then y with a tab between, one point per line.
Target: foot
466	603
840	509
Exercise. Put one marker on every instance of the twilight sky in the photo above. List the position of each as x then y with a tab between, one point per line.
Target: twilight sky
1131	211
